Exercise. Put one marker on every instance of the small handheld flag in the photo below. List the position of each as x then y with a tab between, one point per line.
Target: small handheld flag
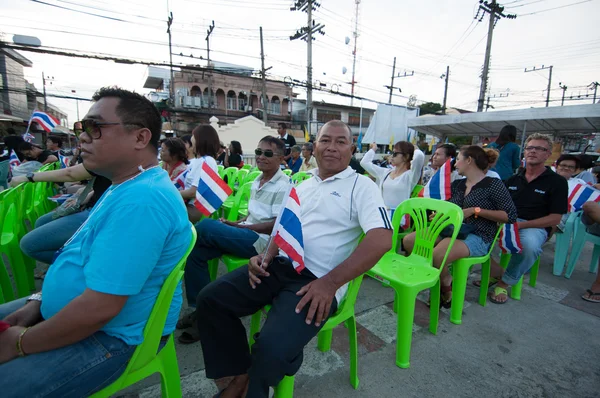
306	135
579	194
179	181
288	231
64	161
211	192
44	120
28	137
60	199
404	221
391	146
13	160
510	242
438	186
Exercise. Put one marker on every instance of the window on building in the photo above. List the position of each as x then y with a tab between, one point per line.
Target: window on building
242	102
275	105
324	115
354	119
231	101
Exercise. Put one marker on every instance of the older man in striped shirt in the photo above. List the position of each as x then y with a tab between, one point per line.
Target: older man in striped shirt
245	238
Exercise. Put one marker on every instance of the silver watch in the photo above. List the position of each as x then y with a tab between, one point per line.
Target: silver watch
35	297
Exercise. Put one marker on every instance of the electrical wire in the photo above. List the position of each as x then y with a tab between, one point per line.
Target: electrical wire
554	8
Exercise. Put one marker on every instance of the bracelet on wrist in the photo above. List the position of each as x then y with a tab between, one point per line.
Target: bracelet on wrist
20	343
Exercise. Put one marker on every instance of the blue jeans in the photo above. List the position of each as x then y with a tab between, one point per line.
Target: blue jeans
77	370
50	235
214	239
532	240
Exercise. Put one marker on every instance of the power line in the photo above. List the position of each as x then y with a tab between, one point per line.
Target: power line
554	8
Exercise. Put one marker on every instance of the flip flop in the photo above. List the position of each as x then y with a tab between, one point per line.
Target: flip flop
190	336
591	293
497	291
446	303
492	282
187	321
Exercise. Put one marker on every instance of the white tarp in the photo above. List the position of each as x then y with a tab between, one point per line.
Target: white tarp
390	124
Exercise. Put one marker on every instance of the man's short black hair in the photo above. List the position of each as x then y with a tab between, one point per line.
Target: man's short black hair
282	125
134	108
449	150
26	146
11	131
574	158
269	139
57	140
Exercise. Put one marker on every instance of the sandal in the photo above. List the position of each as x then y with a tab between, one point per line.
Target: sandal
187	321
190	336
589	298
492	282
498	291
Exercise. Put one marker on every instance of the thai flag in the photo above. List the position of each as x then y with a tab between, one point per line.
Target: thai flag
579	194
28	137
64	161
439	184
404	221
44	120
510	242
60	199
212	191
179	181
13	160
288	231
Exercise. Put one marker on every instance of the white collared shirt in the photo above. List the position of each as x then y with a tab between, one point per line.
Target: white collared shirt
335	212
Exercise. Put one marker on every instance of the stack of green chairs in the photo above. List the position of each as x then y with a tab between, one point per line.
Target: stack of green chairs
344	314
240	177
221	170
247	167
287	172
299	177
230	173
251	176
410	275
147	359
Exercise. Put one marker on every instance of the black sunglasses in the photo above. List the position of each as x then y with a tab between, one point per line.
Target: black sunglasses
93	127
267	152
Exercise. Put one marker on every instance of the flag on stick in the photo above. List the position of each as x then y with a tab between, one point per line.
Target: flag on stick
211	192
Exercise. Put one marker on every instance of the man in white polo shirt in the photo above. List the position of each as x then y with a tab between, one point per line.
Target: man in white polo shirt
337	206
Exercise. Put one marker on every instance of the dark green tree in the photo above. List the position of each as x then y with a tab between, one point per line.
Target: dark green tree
429	108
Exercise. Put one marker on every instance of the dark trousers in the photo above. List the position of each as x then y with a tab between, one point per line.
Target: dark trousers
277	351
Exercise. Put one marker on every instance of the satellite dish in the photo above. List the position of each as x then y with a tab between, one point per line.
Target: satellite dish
347	40
344	70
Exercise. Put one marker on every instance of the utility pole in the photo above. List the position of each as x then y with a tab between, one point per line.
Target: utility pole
594	86
564	89
487	106
391	86
355	34
549	79
45	100
208	32
447	75
306	33
263	75
171	88
495	11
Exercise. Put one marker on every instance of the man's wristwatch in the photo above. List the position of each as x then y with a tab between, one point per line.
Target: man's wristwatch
35	297
477	210
30	177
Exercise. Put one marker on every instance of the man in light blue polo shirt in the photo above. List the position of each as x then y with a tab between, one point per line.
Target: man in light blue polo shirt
77	337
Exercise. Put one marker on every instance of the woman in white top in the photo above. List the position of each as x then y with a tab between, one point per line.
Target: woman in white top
396	184
206	144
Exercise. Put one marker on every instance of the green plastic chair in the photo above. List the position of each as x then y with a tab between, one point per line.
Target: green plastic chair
251	176
563	242
247	167
230	173
582	236
345	314
410	275
416	190
515	291
146	359
460	275
299	177
6	289
221	170
287	172
240	178
9	246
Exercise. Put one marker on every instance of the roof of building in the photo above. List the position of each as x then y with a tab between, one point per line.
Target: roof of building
17	57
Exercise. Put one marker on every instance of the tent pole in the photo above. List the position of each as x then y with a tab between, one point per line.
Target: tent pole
523	139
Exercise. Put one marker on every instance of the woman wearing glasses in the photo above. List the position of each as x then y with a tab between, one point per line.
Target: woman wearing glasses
396	184
206	144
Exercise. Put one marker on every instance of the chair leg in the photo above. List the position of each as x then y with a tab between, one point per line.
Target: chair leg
533	273
285	389
561	251
213	268
485	281
515	291
324	340
460	275
406	315
395	308
353	338
170	380
434	307
578	242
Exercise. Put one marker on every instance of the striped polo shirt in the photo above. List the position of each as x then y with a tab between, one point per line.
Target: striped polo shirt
265	203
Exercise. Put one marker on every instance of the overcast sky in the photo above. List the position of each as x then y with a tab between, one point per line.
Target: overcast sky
424	35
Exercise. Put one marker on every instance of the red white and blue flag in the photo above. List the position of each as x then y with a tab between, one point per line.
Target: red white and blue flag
179	181
510	242
404	221
64	161
45	121
288	231
579	194
438	186
60	199
28	137
211	192
13	160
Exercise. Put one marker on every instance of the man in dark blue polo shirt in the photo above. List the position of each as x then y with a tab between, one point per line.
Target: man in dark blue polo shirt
541	197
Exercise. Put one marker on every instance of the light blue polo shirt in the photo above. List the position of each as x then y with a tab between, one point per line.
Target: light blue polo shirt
133	239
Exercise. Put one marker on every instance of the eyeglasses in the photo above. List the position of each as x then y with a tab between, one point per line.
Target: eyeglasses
536	148
267	152
394	154
566	167
93	127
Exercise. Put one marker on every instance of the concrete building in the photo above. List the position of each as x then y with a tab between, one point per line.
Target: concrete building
323	112
234	93
13	86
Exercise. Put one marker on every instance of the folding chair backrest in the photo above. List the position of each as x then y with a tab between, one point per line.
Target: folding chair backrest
242	196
